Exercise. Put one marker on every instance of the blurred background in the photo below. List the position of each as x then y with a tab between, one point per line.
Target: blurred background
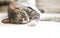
49	6
52	6
4	5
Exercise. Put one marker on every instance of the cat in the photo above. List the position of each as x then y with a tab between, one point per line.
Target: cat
21	12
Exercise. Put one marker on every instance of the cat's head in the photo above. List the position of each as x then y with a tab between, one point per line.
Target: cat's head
18	15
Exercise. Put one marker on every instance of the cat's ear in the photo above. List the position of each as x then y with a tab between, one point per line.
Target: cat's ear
6	21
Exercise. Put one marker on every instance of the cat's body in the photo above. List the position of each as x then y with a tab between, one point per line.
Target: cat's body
22	12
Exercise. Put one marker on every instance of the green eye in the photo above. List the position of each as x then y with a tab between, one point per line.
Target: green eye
21	13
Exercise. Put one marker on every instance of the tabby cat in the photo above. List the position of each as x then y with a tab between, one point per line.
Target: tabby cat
21	14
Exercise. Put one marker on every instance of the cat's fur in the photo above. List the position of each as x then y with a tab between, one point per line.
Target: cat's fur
24	13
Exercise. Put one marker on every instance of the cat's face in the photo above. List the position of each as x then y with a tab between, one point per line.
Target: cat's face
18	15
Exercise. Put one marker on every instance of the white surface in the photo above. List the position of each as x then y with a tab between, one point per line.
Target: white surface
43	29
